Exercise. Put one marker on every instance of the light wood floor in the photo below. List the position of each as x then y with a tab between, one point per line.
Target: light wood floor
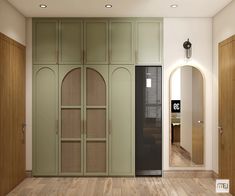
115	187
178	157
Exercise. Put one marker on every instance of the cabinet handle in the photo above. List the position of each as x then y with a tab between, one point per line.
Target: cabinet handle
220	130
110	56
109	127
57	127
84	57
57	57
23	132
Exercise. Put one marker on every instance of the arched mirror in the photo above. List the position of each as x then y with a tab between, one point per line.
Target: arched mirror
186	117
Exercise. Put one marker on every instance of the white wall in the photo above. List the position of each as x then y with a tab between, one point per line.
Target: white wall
176	85
186	109
199	31
223	28
12	22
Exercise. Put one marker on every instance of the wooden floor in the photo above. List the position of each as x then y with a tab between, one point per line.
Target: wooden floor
115	186
179	158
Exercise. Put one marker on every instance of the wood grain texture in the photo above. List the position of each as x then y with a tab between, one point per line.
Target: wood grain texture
95	88
197	116
71	88
226	111
116	187
12	110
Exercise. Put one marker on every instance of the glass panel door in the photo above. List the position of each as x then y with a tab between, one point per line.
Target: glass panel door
148	121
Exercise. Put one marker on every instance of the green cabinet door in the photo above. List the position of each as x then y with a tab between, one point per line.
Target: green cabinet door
71	41
149	42
121	41
45	120
121	118
96	41
45	41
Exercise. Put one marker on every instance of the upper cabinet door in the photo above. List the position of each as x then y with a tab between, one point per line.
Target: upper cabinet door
121	41
45	42
149	42
71	41
96	42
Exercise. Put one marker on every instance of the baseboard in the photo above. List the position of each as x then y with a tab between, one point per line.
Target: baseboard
28	173
215	175
188	174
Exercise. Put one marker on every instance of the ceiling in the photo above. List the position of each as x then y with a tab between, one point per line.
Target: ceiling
121	8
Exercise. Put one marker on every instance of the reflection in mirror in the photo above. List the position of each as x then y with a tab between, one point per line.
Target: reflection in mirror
186	132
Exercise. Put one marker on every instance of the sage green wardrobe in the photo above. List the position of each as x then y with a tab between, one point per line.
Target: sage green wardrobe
83	93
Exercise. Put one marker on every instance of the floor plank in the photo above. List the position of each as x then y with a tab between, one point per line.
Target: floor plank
90	186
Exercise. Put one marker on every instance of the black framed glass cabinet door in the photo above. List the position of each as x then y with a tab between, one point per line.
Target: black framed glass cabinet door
148	120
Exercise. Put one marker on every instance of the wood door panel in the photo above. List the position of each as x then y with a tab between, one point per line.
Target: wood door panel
227	111
71	157
197	117
224	109
71	123
12	108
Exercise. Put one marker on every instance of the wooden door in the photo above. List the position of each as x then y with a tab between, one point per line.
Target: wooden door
45	41
45	120
121	117
148	42
12	119
197	117
121	36
227	111
96	120
96	41
71	41
71	120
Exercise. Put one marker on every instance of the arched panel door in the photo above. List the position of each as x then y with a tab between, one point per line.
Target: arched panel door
45	112
121	115
71	114
95	117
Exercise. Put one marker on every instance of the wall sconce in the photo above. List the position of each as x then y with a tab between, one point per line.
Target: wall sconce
188	49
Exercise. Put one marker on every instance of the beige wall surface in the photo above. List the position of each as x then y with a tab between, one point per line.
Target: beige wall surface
199	31
223	28
12	22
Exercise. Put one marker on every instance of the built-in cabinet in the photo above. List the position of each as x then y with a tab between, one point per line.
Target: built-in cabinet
70	42
83	94
97	41
121	41
121	120
45	42
148	42
45	120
